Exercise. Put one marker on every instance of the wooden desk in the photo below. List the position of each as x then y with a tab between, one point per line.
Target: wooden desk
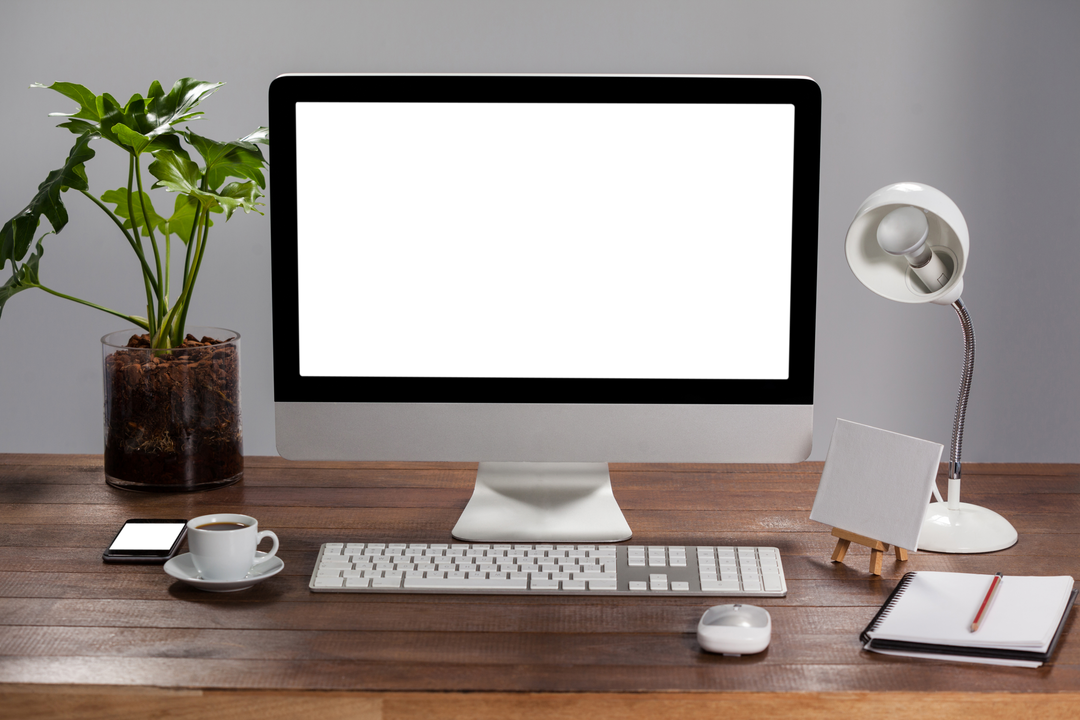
84	639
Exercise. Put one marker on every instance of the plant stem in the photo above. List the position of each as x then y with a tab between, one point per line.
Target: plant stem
134	320
174	320
168	270
192	240
150	232
194	273
151	315
202	217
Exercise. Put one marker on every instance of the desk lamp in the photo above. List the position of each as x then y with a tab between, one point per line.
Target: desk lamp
909	243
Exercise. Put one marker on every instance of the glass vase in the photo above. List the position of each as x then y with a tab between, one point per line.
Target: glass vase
172	417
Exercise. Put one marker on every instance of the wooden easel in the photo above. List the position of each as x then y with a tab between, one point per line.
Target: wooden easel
877	549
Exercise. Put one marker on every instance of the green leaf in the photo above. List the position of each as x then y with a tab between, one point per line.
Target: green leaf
111	115
136	105
151	116
17	233
176	173
236	159
86	99
23	279
262	135
181	175
165	111
119	198
133	139
168	141
80	127
183	217
246	193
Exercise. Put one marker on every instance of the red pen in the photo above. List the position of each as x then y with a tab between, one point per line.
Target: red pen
994	585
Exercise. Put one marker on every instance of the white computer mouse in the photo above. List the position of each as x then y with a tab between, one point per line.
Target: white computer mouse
735	629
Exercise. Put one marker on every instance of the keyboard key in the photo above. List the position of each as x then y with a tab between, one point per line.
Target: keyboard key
391	580
724	585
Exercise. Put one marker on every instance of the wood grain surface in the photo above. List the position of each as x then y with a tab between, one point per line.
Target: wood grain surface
79	638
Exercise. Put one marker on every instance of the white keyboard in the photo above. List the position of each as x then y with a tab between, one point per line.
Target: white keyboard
555	569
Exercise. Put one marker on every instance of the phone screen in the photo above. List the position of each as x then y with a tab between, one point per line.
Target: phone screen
147	540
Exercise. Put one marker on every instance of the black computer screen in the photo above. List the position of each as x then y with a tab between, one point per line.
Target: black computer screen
548	239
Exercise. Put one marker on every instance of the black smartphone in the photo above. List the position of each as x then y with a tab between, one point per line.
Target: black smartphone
146	541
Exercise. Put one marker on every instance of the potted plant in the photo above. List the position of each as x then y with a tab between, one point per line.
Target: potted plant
172	393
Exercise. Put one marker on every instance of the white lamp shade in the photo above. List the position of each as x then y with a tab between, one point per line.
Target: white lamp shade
889	275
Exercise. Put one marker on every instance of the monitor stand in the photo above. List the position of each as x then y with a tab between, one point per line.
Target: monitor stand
534	502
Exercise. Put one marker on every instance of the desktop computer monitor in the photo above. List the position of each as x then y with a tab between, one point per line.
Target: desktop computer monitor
544	274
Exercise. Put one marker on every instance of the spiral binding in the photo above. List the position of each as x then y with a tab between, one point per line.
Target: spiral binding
887	607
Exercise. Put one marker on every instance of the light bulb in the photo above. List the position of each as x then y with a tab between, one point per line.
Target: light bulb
903	232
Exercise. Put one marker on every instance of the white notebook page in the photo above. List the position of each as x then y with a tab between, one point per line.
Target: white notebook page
938	607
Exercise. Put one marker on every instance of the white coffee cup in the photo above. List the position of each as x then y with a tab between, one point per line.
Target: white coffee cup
227	551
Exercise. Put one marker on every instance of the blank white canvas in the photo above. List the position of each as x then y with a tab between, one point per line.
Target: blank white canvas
876	483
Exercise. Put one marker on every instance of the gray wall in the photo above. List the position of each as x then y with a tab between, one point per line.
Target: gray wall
978	98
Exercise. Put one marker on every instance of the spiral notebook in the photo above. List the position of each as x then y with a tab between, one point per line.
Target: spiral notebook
929	615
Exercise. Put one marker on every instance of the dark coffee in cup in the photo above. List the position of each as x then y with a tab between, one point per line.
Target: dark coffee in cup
221	526
223	545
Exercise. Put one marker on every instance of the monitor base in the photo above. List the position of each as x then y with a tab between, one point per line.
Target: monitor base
542	502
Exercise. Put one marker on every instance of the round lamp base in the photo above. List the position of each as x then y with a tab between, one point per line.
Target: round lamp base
970	529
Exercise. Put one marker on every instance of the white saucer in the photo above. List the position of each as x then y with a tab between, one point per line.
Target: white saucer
182	568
